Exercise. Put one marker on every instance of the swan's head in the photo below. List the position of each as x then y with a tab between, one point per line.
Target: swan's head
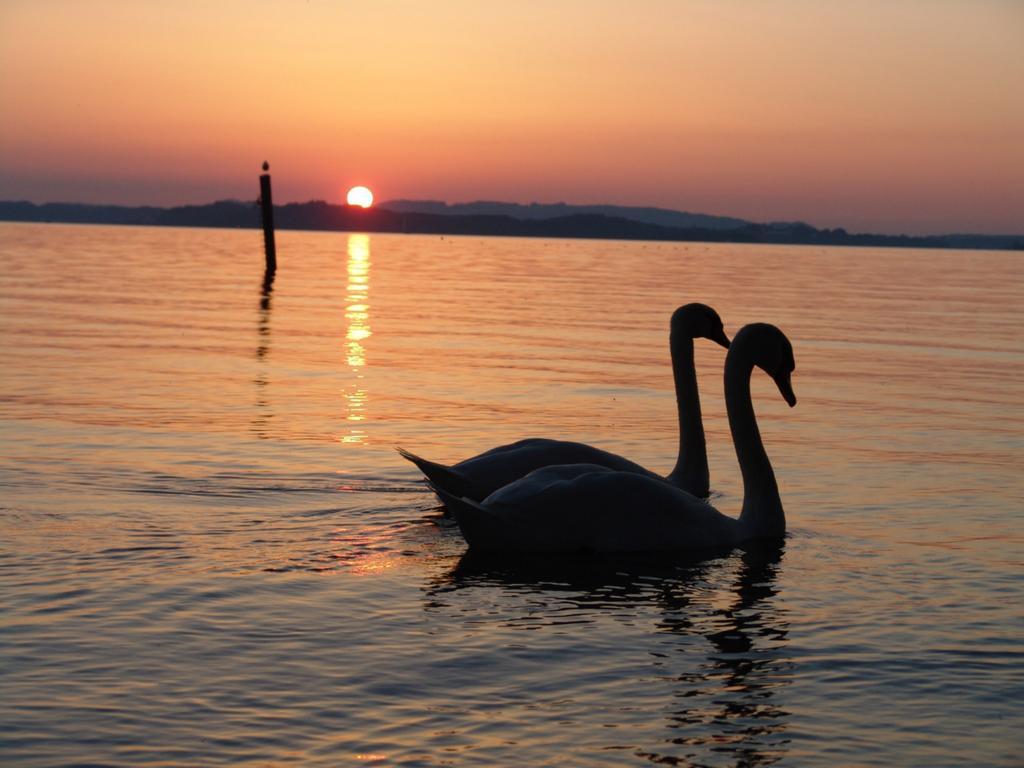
771	351
698	321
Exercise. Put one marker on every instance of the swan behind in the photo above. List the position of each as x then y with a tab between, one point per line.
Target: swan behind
477	477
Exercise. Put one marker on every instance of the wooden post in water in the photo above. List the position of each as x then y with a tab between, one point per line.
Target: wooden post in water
267	215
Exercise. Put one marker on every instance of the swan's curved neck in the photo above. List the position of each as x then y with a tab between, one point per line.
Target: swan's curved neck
691	470
762	515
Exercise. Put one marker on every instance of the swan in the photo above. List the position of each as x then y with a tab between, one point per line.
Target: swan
477	477
591	508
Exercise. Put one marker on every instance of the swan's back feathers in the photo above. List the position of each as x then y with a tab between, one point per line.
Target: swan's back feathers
510	462
476	478
442	477
542	488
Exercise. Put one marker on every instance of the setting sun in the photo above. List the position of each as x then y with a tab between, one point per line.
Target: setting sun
360	196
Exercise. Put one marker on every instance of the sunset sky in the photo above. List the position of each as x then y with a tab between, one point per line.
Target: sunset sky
890	115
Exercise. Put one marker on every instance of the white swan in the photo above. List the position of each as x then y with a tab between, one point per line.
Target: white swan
585	507
479	476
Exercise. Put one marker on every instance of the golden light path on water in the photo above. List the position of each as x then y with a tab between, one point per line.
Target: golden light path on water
367	539
357	317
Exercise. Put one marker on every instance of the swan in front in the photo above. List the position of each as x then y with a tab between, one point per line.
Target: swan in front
591	508
478	477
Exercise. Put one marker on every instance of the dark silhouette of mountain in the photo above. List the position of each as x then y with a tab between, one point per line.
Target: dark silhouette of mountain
318	215
661	216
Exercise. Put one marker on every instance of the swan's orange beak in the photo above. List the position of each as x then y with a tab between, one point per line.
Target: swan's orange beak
785	385
718	336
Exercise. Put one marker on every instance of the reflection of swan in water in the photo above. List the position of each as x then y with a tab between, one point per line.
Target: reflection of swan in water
734	696
478	477
582	507
715	646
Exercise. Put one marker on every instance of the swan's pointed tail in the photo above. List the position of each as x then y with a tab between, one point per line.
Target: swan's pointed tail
480	528
440	476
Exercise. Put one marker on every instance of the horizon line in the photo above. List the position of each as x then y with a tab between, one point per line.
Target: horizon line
381	205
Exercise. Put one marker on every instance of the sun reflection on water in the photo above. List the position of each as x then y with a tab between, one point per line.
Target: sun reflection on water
357	316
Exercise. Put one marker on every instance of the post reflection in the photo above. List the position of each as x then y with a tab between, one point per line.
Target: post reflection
718	640
357	318
262	417
263	325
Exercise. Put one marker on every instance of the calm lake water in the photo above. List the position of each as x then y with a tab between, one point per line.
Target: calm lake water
211	552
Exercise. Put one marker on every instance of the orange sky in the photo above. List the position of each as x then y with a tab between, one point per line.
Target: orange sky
887	115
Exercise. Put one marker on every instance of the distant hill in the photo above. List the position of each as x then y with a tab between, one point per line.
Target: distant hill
663	217
318	215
